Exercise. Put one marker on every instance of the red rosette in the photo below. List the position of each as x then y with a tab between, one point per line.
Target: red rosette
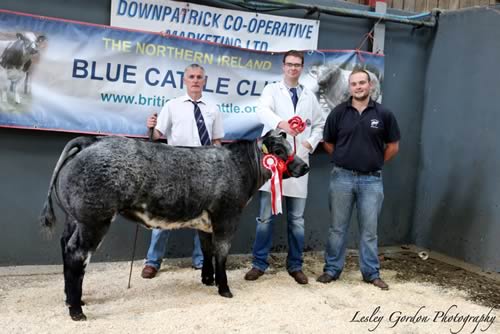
297	124
277	167
269	161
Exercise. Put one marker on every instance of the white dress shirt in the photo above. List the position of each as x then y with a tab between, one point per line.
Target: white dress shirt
177	122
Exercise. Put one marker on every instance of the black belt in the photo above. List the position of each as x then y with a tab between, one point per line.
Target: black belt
376	173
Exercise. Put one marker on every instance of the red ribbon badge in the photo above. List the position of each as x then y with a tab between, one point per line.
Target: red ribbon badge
277	167
297	124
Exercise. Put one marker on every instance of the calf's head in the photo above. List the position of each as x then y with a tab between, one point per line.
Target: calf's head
275	143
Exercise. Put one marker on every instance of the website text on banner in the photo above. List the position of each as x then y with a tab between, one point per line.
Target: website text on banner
230	27
93	79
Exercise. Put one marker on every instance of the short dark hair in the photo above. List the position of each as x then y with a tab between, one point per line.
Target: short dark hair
194	66
294	53
360	70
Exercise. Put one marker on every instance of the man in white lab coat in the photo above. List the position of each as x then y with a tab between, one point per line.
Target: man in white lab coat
278	103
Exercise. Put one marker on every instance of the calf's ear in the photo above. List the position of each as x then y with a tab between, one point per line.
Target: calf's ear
268	134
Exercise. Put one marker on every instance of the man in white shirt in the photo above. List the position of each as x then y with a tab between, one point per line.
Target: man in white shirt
185	121
278	103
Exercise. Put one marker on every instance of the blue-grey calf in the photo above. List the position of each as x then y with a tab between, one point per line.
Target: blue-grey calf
158	186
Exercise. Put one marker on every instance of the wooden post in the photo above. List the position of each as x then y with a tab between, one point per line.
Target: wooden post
379	29
454	4
409	5
420	6
444	4
432	4
397	4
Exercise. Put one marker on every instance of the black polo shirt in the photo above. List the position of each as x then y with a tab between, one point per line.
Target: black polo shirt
360	139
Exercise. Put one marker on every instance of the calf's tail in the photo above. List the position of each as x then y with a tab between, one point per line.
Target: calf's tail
47	216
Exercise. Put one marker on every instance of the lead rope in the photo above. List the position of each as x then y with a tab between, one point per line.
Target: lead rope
150	136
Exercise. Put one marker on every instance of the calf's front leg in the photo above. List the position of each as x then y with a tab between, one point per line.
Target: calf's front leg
222	246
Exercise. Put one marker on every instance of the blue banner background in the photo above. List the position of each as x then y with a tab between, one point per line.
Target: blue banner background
76	67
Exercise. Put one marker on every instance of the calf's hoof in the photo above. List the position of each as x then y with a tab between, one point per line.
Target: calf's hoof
226	293
82	303
76	314
208	281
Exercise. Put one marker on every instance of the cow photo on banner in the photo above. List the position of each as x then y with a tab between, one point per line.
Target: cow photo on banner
19	55
61	75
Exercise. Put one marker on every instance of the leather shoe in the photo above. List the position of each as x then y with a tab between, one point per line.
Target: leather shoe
253	274
299	277
379	284
326	278
149	272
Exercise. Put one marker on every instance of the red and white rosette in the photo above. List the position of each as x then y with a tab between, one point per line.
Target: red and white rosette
276	167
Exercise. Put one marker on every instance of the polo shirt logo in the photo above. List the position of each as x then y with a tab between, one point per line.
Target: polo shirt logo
374	123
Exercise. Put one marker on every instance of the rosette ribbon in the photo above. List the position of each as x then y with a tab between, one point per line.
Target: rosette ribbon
277	167
297	124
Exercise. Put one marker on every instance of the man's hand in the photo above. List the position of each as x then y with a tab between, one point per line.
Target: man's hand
308	146
285	126
151	122
391	149
328	147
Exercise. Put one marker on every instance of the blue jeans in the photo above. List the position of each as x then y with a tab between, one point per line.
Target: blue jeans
367	192
158	245
264	235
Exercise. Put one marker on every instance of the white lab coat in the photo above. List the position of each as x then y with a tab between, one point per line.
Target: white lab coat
276	105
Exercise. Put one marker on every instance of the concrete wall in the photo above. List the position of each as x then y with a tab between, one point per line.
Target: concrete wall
28	157
458	203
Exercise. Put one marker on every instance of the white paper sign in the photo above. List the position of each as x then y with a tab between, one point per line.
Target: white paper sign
230	27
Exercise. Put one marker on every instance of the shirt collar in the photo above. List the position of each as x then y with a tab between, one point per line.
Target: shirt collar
299	87
371	103
186	98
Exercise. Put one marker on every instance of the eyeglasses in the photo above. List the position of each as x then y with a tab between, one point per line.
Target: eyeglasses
293	65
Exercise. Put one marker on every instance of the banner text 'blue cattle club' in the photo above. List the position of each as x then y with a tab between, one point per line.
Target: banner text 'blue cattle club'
93	79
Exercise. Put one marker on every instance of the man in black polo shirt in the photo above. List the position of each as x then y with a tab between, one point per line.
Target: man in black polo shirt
361	135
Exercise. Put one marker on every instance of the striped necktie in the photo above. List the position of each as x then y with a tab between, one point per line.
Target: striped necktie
200	123
295	97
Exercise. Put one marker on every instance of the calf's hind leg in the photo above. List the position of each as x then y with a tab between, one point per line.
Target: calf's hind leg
207	271
69	228
77	242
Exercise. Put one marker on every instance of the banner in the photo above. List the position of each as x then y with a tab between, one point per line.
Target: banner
68	76
230	27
